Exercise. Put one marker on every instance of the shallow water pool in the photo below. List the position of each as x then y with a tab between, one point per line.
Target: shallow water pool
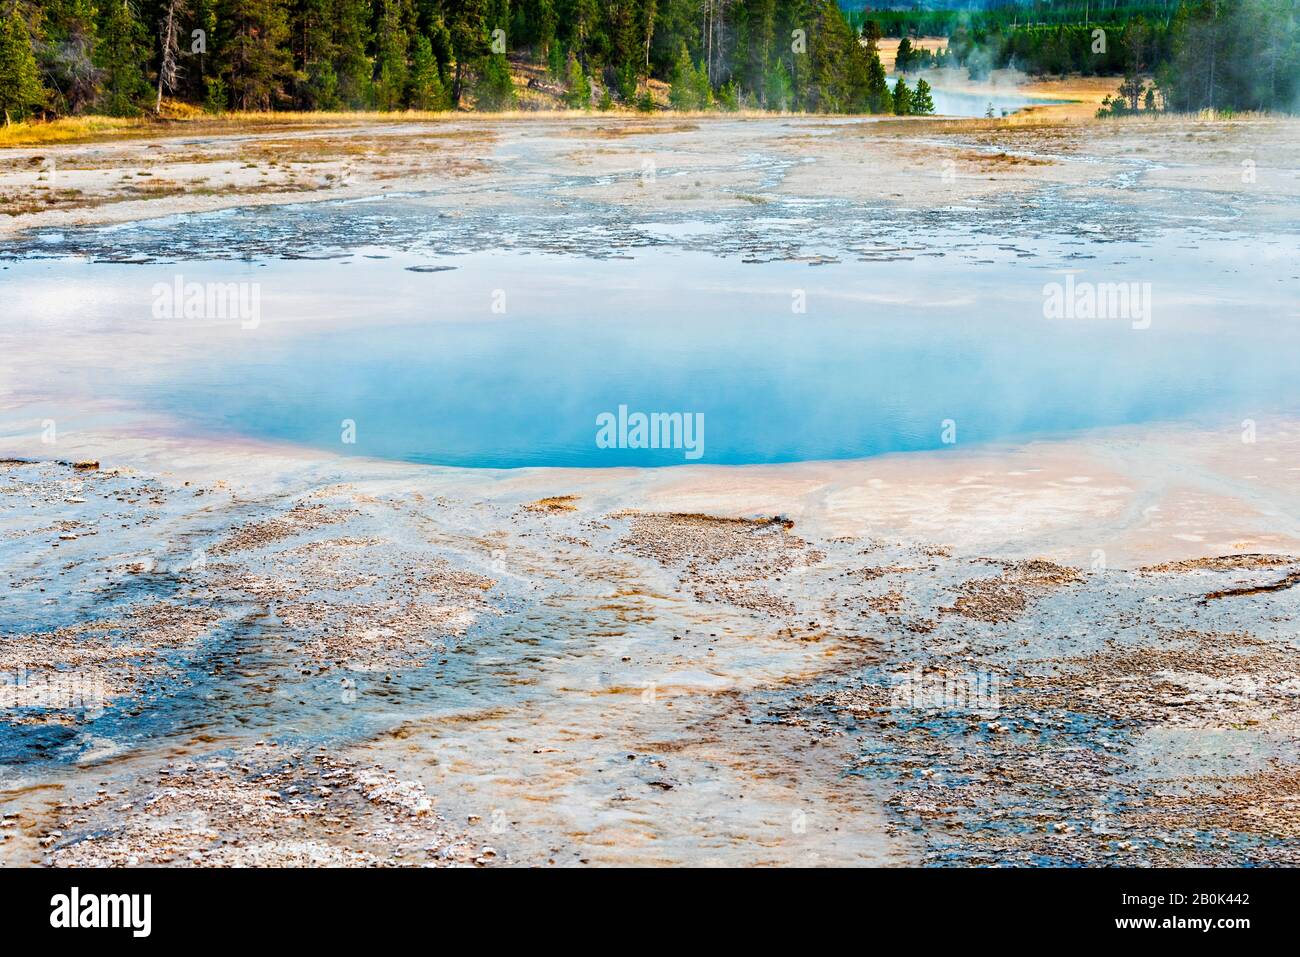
511	359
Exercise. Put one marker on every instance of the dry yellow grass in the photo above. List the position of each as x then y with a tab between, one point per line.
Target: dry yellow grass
93	129
71	130
888	47
86	129
1080	96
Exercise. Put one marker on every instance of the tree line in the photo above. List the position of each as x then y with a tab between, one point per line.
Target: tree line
1200	54
123	57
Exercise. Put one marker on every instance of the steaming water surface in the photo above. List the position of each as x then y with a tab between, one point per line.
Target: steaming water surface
508	358
964	102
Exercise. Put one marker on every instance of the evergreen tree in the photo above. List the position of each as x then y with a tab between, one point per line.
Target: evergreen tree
879	99
903	57
872	33
440	41
779	93
320	86
545	27
1232	54
496	16
389	54
217	97
922	101
1134	40
902	99
840	69
579	89
1130	93
703	91
254	51
427	92
200	62
729	96
351	71
469	40
557	62
20	85
683	92
585	16
121	54
495	89
627	80
390	58
312	44
622	35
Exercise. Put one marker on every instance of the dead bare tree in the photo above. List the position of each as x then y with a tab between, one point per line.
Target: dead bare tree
648	12
169	67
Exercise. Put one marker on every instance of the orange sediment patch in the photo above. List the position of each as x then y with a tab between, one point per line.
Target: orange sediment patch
556	503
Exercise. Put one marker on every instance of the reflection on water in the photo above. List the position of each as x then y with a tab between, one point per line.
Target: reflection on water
508	360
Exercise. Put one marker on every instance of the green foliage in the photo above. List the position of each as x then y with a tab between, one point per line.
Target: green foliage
556	61
253	51
802	55
839	68
1205	54
922	101
217	97
1128	99
879	99
348	46
467	25
902	99
541	25
871	32
578	94
427	91
627	82
702	90
321	89
65	54
494	89
903	56
729	96
20	85
1229	55
682	91
390	58
120	56
778	91
949	19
